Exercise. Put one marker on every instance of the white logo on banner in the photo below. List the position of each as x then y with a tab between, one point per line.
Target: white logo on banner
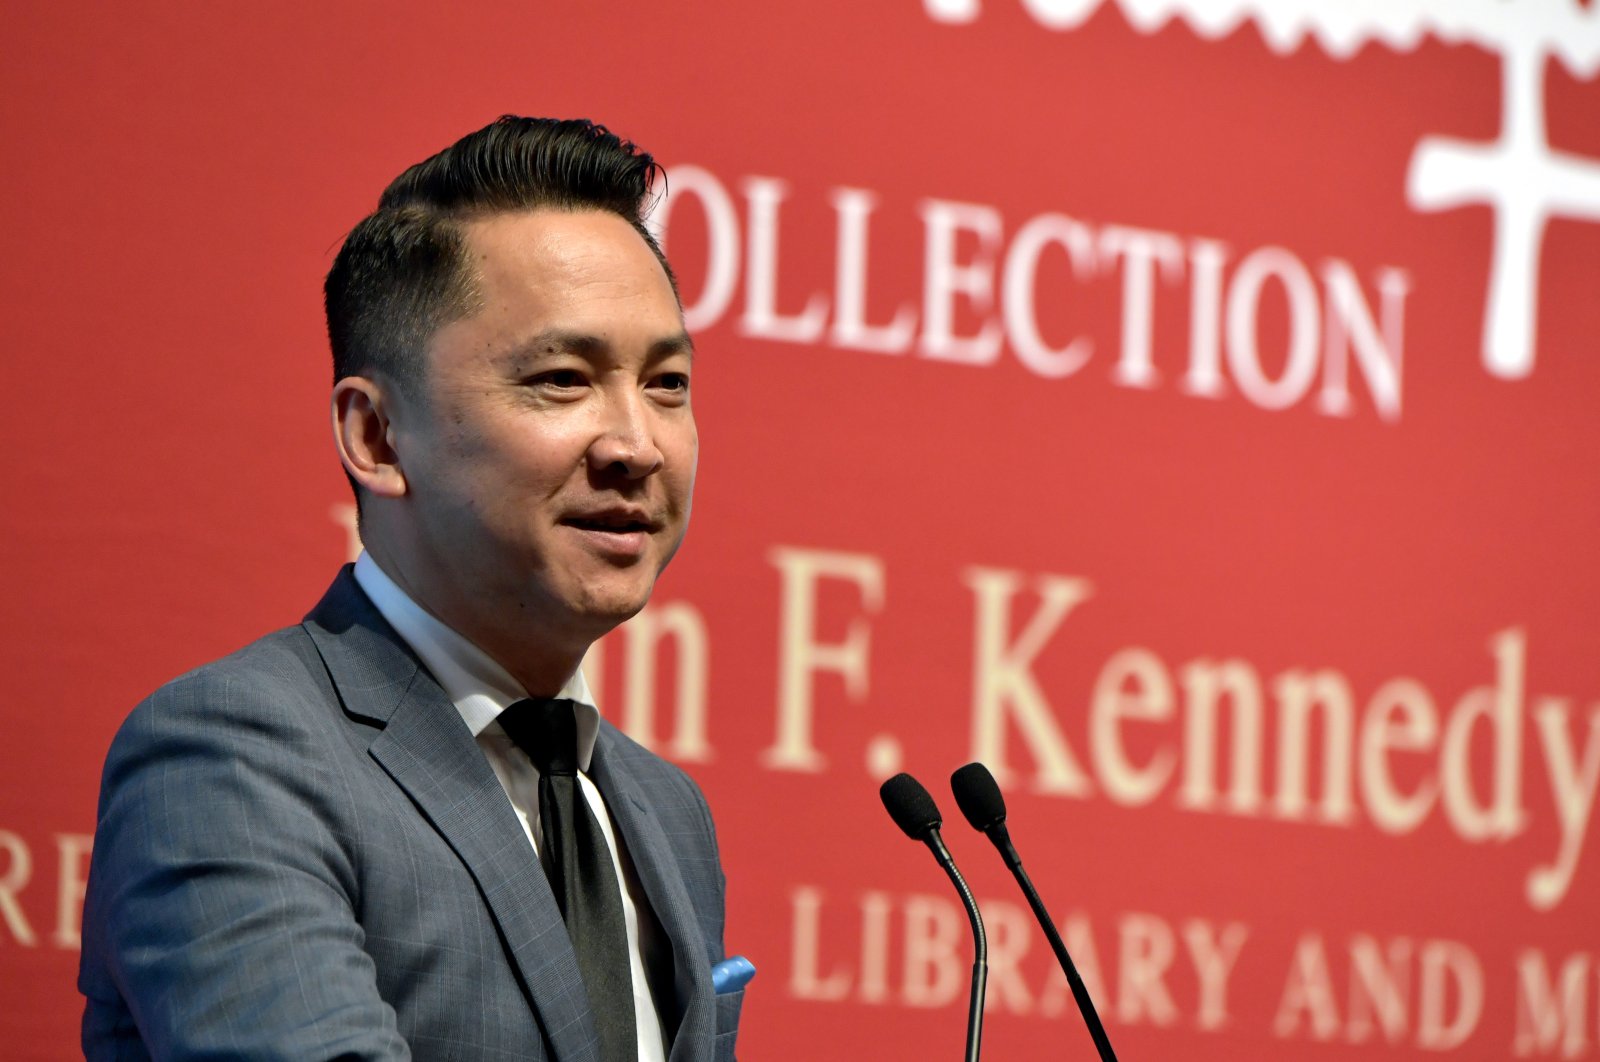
1518	176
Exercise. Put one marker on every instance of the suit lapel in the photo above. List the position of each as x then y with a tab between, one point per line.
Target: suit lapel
429	753
657	867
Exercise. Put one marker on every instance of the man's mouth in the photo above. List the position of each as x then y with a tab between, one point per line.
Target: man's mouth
616	522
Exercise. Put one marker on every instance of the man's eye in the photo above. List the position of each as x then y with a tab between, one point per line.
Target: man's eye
673	381
560	378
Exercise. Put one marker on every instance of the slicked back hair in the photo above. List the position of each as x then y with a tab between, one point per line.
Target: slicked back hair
403	272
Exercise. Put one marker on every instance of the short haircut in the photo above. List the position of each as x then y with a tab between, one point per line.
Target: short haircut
403	272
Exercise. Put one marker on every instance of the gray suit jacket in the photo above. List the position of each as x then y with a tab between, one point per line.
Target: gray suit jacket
302	853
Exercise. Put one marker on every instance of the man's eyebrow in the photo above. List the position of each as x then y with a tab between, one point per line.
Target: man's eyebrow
670	345
562	341
565	341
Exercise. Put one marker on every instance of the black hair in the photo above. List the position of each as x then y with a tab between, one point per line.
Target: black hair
402	272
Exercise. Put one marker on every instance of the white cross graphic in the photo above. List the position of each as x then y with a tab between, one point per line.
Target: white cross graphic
1525	183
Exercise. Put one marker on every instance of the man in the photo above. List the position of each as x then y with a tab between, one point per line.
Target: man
400	829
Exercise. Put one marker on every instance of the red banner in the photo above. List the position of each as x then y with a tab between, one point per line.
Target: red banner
1185	407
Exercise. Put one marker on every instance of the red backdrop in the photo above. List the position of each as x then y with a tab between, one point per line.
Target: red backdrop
1186	409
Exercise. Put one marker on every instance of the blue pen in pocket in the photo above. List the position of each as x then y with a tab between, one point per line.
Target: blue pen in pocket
732	974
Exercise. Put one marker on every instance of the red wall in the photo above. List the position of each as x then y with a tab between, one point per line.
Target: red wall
1125	404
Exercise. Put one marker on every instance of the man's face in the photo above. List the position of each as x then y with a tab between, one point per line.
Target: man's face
549	451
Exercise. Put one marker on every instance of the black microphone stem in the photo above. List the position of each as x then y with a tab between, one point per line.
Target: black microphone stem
980	960
1002	840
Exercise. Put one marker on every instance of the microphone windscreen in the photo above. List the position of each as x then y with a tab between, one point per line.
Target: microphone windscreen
978	796
910	806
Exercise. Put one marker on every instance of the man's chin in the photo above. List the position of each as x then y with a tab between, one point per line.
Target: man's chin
602	610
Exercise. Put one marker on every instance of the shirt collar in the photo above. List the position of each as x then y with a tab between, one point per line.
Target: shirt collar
478	686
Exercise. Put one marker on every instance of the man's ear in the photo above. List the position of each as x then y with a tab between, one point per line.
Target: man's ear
364	436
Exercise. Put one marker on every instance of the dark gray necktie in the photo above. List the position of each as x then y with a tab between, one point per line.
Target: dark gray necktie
578	864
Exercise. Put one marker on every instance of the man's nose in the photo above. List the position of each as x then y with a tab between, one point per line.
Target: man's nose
626	442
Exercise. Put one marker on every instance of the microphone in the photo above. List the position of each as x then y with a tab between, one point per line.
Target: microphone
978	796
914	811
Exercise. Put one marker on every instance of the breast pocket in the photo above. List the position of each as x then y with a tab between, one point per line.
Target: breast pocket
728	1007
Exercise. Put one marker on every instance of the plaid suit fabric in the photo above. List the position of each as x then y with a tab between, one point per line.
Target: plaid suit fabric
302	853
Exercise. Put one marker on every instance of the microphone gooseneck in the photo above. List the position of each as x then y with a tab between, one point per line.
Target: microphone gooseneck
914	811
978	796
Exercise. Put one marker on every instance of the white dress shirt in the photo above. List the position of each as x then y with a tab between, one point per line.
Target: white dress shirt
481	689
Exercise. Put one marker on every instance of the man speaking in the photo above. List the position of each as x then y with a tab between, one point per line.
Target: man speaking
401	829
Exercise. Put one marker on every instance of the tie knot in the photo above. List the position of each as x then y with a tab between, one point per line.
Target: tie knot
547	730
